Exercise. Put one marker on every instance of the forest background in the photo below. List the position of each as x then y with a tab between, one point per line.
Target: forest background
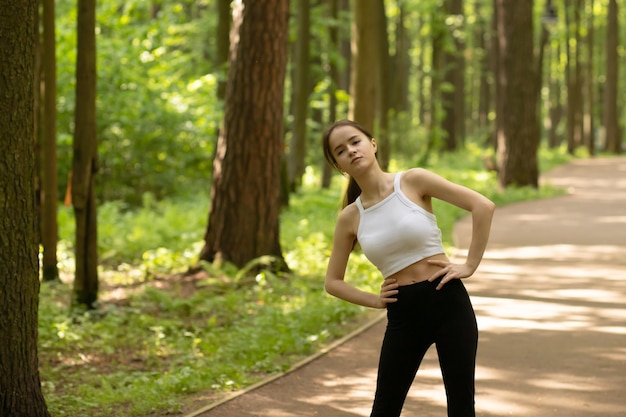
143	305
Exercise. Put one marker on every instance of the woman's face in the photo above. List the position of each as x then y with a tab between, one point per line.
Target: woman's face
351	148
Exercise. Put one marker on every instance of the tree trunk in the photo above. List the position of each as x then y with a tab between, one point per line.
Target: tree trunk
383	88
453	99
49	191
589	112
297	144
84	164
20	387
334	74
244	218
574	81
518	132
484	89
224	19
611	123
420	83
401	65
437	25
365	63
555	106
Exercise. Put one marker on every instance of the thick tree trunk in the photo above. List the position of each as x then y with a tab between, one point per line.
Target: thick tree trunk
20	387
84	165
518	132
244	217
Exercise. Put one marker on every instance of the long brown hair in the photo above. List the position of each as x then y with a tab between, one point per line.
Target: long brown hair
353	190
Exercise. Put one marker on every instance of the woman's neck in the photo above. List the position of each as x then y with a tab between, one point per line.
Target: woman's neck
375	185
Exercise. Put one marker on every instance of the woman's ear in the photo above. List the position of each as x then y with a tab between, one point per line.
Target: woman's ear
373	140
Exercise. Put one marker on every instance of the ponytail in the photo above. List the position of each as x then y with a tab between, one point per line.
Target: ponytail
352	192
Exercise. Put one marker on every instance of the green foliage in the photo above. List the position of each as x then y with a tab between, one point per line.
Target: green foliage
158	113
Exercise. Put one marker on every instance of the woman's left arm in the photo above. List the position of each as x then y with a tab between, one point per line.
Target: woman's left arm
481	209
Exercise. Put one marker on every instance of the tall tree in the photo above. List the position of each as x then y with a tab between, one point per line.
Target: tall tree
590	85
611	123
401	64
453	96
84	164
334	75
244	218
438	34
575	127
365	62
383	88
20	387
301	88
224	20
518	131
48	171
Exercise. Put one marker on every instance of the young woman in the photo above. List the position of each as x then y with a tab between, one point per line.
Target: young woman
391	217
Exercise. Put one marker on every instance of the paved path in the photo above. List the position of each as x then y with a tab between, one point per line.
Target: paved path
550	297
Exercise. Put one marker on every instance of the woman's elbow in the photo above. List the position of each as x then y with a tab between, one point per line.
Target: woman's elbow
330	287
490	206
487	206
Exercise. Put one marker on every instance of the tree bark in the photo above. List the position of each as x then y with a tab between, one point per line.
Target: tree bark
574	80
611	123
244	218
383	88
84	166
484	89
20	387
301	82
518	132
48	177
401	65
334	74
453	98
365	63
224	19
435	113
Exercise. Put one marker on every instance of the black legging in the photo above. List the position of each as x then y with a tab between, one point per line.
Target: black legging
423	316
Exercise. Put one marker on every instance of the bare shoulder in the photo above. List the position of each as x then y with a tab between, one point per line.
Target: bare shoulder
420	181
348	220
419	174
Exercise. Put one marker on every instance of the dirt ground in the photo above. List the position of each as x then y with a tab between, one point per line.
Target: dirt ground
550	301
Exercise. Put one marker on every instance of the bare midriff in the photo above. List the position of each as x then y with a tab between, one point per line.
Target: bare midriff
419	271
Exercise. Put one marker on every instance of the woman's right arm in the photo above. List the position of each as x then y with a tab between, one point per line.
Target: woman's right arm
342	247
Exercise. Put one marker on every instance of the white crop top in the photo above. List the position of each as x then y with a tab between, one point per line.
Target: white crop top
395	232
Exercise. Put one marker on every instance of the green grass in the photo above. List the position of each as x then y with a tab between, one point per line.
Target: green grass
157	338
